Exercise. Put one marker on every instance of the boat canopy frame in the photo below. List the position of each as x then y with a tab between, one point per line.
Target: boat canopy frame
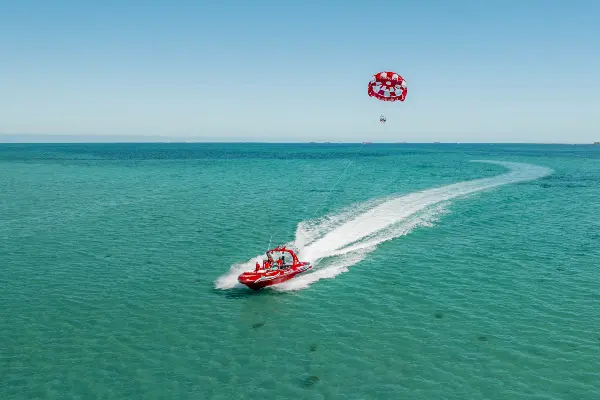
283	249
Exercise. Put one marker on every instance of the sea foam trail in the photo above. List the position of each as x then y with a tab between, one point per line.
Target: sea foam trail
336	242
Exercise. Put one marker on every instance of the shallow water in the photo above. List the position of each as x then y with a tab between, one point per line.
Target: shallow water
435	276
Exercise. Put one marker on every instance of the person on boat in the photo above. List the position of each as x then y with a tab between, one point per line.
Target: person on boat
257	267
280	262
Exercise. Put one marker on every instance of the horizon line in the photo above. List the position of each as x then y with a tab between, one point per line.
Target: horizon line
312	142
158	139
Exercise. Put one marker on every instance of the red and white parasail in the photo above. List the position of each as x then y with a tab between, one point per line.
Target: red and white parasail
388	86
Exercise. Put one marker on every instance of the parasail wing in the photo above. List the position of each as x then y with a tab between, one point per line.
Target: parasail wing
388	86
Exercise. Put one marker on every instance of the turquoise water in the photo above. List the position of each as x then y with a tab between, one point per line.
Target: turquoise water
119	264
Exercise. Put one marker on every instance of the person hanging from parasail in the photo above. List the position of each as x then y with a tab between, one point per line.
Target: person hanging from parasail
387	86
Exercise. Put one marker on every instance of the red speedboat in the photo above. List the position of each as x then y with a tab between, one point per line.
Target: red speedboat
275	269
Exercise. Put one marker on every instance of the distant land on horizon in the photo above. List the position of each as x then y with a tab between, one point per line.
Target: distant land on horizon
82	139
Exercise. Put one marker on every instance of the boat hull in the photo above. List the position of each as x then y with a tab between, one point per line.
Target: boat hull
260	279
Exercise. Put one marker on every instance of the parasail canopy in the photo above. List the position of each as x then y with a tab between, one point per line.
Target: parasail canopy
388	86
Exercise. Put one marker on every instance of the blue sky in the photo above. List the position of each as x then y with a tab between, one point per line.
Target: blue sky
479	71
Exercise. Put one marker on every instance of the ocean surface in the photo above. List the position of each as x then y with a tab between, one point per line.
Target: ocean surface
442	271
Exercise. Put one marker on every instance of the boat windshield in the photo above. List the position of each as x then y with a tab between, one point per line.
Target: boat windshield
275	255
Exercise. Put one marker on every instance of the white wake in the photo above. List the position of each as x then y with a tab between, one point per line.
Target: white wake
336	242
